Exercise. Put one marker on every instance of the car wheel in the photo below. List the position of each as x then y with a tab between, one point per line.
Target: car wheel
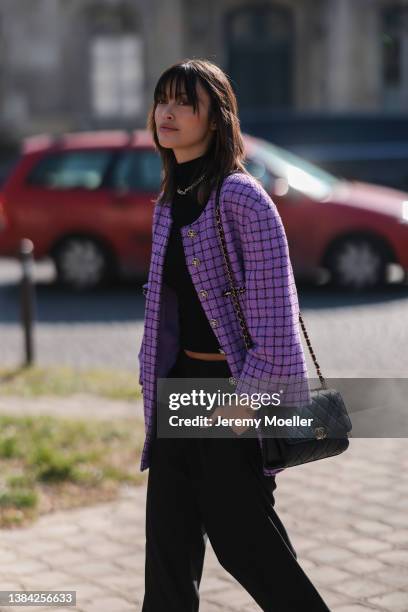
81	263
358	263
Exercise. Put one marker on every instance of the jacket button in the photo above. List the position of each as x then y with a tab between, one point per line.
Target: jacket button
195	261
214	322
203	293
191	233
232	380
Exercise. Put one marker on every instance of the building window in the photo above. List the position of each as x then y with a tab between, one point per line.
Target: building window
394	40
117	75
260	49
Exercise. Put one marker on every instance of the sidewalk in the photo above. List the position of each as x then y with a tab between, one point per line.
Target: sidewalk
347	518
77	406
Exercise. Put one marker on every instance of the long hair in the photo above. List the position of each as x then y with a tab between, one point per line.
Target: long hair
226	149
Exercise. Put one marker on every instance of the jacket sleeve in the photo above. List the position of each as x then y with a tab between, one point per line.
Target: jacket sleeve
276	361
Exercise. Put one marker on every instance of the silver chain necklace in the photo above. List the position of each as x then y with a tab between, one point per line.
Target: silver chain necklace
187	189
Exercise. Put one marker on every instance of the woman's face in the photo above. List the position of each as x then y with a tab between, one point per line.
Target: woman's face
190	132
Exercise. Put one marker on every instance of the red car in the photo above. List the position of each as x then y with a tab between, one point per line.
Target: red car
86	200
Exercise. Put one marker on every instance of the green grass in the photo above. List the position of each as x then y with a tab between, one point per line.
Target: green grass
48	463
64	381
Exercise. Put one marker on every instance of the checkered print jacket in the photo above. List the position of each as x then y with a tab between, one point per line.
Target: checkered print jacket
258	251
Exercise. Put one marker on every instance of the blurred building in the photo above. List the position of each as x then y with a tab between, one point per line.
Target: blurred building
74	64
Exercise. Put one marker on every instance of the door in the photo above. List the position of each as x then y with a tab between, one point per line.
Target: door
63	193
134	183
260	42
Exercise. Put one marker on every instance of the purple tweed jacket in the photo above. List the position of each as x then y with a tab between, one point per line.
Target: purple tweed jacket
259	255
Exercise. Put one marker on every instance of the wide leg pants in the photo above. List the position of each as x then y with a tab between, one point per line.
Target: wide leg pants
215	488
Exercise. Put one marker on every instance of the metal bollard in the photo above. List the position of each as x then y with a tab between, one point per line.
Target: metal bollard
27	298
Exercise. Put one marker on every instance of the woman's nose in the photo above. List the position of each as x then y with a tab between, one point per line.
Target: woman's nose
168	111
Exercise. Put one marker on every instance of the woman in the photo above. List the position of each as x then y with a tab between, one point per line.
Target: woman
206	487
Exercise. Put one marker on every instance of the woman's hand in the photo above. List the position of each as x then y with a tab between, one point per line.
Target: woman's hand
234	411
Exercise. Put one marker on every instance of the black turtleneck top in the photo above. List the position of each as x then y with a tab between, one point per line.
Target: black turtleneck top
195	331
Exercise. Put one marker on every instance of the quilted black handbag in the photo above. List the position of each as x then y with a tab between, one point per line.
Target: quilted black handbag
329	434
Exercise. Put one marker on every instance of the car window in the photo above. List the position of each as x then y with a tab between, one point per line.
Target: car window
301	176
284	160
137	170
71	169
6	168
259	170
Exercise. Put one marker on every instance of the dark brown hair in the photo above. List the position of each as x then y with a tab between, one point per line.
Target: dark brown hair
226	147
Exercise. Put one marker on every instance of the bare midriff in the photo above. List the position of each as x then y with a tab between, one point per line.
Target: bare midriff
205	356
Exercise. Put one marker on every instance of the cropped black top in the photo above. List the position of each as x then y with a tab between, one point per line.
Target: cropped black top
196	333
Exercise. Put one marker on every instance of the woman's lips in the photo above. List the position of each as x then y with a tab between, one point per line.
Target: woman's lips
166	129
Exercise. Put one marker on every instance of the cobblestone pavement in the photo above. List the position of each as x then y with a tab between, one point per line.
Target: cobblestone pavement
104	329
347	517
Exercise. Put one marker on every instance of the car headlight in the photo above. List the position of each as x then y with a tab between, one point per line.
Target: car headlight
404	211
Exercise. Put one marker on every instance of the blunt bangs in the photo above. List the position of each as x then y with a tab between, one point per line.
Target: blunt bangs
176	80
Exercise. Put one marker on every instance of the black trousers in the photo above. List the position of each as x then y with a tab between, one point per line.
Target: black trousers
214	487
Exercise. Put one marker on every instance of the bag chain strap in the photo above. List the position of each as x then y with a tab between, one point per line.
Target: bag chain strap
240	315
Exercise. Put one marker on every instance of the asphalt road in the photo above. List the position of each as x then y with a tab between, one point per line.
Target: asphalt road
362	335
99	329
